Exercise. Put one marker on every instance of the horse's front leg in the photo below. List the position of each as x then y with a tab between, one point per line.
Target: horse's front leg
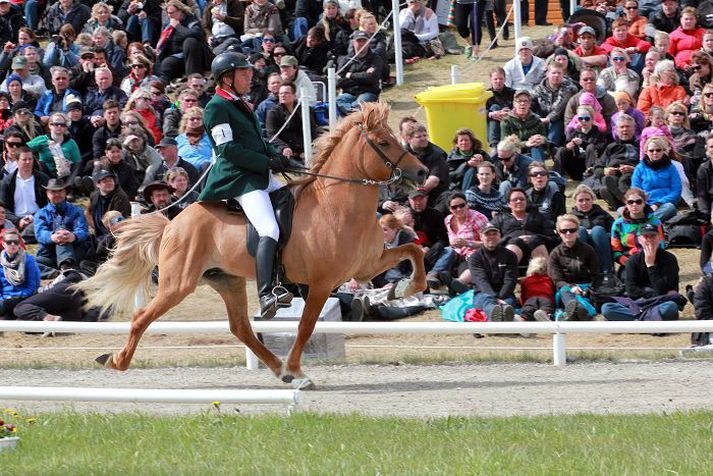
292	369
390	258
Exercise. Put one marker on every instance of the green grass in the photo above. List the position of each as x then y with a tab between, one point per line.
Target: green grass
214	444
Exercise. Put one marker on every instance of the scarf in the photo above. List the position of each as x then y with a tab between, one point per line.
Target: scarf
14	268
658	164
194	134
163	40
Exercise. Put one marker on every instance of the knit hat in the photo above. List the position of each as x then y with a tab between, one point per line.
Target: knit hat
13	77
623	95
561	51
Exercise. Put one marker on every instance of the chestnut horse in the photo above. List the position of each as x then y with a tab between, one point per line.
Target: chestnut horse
335	237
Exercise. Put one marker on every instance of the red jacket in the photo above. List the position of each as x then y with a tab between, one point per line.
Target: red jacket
628	42
537	285
684	44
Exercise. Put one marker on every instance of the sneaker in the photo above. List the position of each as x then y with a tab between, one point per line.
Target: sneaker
458	287
571	311
468	52
357	309
583	314
541	316
496	315
689	293
508	313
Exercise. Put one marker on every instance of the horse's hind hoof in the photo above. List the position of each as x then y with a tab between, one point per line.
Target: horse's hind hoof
287	378
103	359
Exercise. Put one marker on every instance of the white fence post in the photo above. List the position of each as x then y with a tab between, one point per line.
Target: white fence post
306	126
251	361
455	74
517	21
398	52
572	6
332	97
559	349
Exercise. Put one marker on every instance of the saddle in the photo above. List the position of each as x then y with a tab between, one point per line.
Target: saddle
283	202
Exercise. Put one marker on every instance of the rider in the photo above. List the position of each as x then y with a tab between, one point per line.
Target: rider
242	169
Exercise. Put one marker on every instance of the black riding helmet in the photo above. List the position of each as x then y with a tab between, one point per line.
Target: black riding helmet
227	62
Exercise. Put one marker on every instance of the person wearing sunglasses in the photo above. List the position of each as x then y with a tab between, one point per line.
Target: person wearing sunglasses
58	153
463	225
658	177
621	38
618	76
20	276
511	165
572	266
584	142
140	75
528	127
637	22
544	195
635	214
688	145
651	278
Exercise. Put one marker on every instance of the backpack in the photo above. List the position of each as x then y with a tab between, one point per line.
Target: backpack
686	229
605	287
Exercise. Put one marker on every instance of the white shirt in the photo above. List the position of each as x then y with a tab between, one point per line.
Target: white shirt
25	203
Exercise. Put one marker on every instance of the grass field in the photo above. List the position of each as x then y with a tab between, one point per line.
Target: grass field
213	443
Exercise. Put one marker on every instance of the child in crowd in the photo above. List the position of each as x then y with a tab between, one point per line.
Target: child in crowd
537	292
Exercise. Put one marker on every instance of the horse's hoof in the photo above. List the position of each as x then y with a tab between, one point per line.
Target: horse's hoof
287	378
303	384
103	359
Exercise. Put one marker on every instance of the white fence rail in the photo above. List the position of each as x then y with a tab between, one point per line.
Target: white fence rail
559	330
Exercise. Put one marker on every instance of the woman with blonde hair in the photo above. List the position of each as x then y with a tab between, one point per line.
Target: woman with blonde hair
177	177
686	142
140	102
193	143
658	177
664	89
102	17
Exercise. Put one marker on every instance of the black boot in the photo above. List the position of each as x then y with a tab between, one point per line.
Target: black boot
271	297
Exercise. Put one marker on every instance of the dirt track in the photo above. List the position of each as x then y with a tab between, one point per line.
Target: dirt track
420	391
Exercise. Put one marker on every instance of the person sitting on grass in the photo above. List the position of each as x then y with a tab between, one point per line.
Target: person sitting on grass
537	292
20	277
494	273
651	280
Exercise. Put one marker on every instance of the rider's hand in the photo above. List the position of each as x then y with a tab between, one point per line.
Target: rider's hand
278	163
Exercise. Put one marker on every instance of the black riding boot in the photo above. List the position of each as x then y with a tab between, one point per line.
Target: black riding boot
271	297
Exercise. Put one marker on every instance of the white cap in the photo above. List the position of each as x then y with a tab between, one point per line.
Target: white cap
524	42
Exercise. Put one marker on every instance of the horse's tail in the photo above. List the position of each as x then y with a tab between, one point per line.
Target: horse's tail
128	273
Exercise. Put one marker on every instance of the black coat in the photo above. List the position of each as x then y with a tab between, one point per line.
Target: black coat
644	282
291	135
118	200
7	193
359	80
596	216
10	25
494	272
190	27
703	304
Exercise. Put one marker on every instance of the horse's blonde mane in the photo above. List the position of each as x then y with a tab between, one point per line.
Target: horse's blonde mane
372	116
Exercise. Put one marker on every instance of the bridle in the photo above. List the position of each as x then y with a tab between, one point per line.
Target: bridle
396	172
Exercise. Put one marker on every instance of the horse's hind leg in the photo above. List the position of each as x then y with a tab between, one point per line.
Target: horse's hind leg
171	291
232	290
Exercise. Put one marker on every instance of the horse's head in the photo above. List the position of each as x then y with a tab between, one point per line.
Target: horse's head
384	159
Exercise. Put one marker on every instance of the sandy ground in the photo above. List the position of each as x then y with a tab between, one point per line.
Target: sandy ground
419	391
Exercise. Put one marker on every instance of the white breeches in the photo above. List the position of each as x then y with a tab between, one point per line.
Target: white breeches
258	209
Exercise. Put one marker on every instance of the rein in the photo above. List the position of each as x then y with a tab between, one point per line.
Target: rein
396	172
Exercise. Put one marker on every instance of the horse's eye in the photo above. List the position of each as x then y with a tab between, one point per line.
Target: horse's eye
384	143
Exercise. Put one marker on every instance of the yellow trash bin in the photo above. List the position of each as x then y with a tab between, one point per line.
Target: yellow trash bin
449	108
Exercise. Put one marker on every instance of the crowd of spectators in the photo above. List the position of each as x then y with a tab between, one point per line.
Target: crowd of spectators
102	103
623	118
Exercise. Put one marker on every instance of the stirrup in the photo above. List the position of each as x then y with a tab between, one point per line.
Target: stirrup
283	298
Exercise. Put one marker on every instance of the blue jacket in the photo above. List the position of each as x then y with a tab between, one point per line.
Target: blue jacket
662	185
263	107
94	100
29	287
44	104
51	218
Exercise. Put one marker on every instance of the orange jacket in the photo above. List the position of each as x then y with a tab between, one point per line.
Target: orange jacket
662	96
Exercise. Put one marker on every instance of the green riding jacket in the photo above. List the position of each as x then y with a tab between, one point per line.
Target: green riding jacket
241	151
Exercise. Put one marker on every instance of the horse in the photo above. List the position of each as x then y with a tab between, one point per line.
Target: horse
335	237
